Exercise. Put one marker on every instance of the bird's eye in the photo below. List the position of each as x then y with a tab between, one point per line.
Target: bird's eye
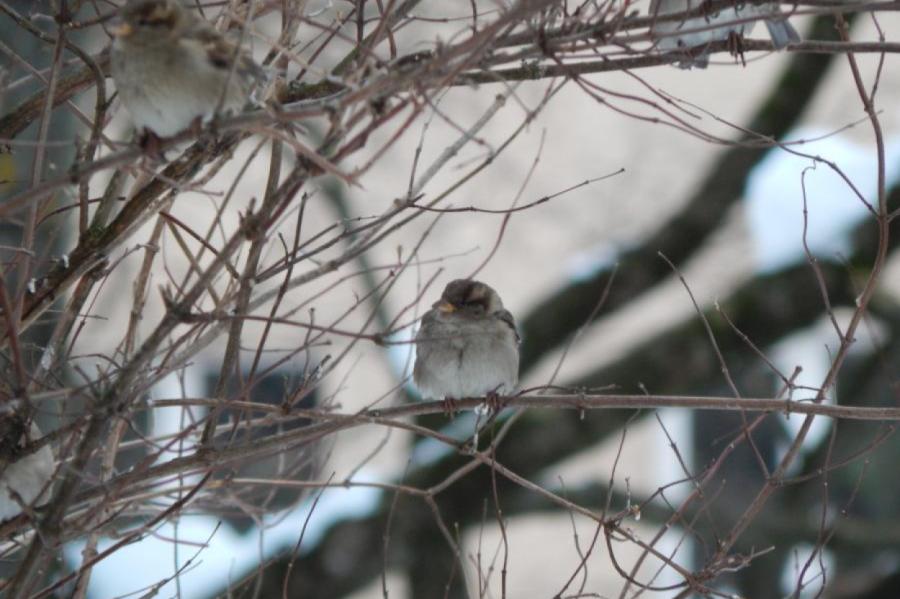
475	306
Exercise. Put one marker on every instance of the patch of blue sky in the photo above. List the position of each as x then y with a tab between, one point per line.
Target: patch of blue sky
583	265
774	198
220	555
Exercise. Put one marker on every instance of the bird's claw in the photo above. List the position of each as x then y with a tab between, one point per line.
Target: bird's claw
196	127
450	408
150	142
736	46
494	402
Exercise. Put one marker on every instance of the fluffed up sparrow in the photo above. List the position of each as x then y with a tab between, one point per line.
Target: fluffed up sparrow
467	345
701	30
173	70
24	479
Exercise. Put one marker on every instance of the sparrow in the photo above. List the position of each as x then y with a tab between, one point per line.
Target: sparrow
701	30
173	70
25	478
467	345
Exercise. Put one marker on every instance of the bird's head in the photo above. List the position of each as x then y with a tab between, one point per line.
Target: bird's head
149	21
468	297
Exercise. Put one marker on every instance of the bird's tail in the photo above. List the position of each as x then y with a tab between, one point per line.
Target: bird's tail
782	32
700	61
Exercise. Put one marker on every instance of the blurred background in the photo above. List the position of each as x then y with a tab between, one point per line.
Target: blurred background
587	275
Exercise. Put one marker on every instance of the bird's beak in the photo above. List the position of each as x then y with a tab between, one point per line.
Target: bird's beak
446	307
121	29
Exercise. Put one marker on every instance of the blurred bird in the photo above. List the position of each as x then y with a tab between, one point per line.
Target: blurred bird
173	70
701	30
24	479
467	345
